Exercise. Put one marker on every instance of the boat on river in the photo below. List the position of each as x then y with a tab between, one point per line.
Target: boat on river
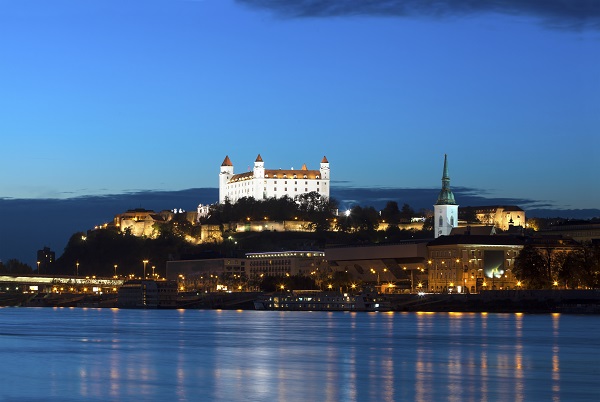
316	300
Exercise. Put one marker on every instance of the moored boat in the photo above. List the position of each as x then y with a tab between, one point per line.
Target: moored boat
311	300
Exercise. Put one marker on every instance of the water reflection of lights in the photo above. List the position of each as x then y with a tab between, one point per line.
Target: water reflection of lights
555	357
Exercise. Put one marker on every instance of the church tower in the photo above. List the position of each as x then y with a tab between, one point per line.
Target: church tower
445	209
224	176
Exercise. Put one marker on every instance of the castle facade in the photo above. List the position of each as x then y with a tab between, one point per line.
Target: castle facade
261	183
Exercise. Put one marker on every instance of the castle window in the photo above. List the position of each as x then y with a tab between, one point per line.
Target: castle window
275	182
317	176
295	182
441	221
305	176
295	176
285	189
275	176
285	176
275	189
295	189
305	182
317	182
285	182
266	176
305	189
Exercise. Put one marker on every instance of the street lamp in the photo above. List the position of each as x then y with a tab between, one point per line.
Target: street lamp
153	271
145	262
116	270
38	264
77	268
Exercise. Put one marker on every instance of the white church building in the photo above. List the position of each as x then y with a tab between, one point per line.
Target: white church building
445	209
261	183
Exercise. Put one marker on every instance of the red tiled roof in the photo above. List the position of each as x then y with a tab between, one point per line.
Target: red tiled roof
227	161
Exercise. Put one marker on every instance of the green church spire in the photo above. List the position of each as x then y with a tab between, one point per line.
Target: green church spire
446	197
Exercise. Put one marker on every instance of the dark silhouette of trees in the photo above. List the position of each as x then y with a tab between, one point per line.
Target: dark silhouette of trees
545	268
15	267
406	213
530	268
391	213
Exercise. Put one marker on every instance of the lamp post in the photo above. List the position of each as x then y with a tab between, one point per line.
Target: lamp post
445	273
430	276
145	263
77	268
38	264
153	271
116	270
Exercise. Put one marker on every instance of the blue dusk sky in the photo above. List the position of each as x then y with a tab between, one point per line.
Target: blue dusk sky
115	96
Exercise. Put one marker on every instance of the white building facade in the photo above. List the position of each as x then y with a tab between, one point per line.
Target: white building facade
261	183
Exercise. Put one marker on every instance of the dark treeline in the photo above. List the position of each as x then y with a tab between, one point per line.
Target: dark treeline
547	268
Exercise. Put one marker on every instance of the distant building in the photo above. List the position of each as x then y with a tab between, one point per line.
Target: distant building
282	263
402	264
580	231
445	209
261	183
470	263
501	216
227	273
45	258
141	222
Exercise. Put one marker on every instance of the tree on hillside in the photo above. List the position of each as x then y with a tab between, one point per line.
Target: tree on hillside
364	219
406	213
391	213
317	210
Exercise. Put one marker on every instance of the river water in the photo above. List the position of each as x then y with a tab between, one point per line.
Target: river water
74	354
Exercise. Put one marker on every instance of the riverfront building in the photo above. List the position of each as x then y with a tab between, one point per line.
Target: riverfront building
231	273
261	183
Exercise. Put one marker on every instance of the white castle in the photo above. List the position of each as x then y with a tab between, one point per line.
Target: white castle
261	183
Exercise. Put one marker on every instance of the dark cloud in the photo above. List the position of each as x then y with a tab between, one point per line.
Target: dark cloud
30	224
419	198
566	14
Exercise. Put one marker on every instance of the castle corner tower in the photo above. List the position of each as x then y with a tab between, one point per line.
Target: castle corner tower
445	209
224	176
